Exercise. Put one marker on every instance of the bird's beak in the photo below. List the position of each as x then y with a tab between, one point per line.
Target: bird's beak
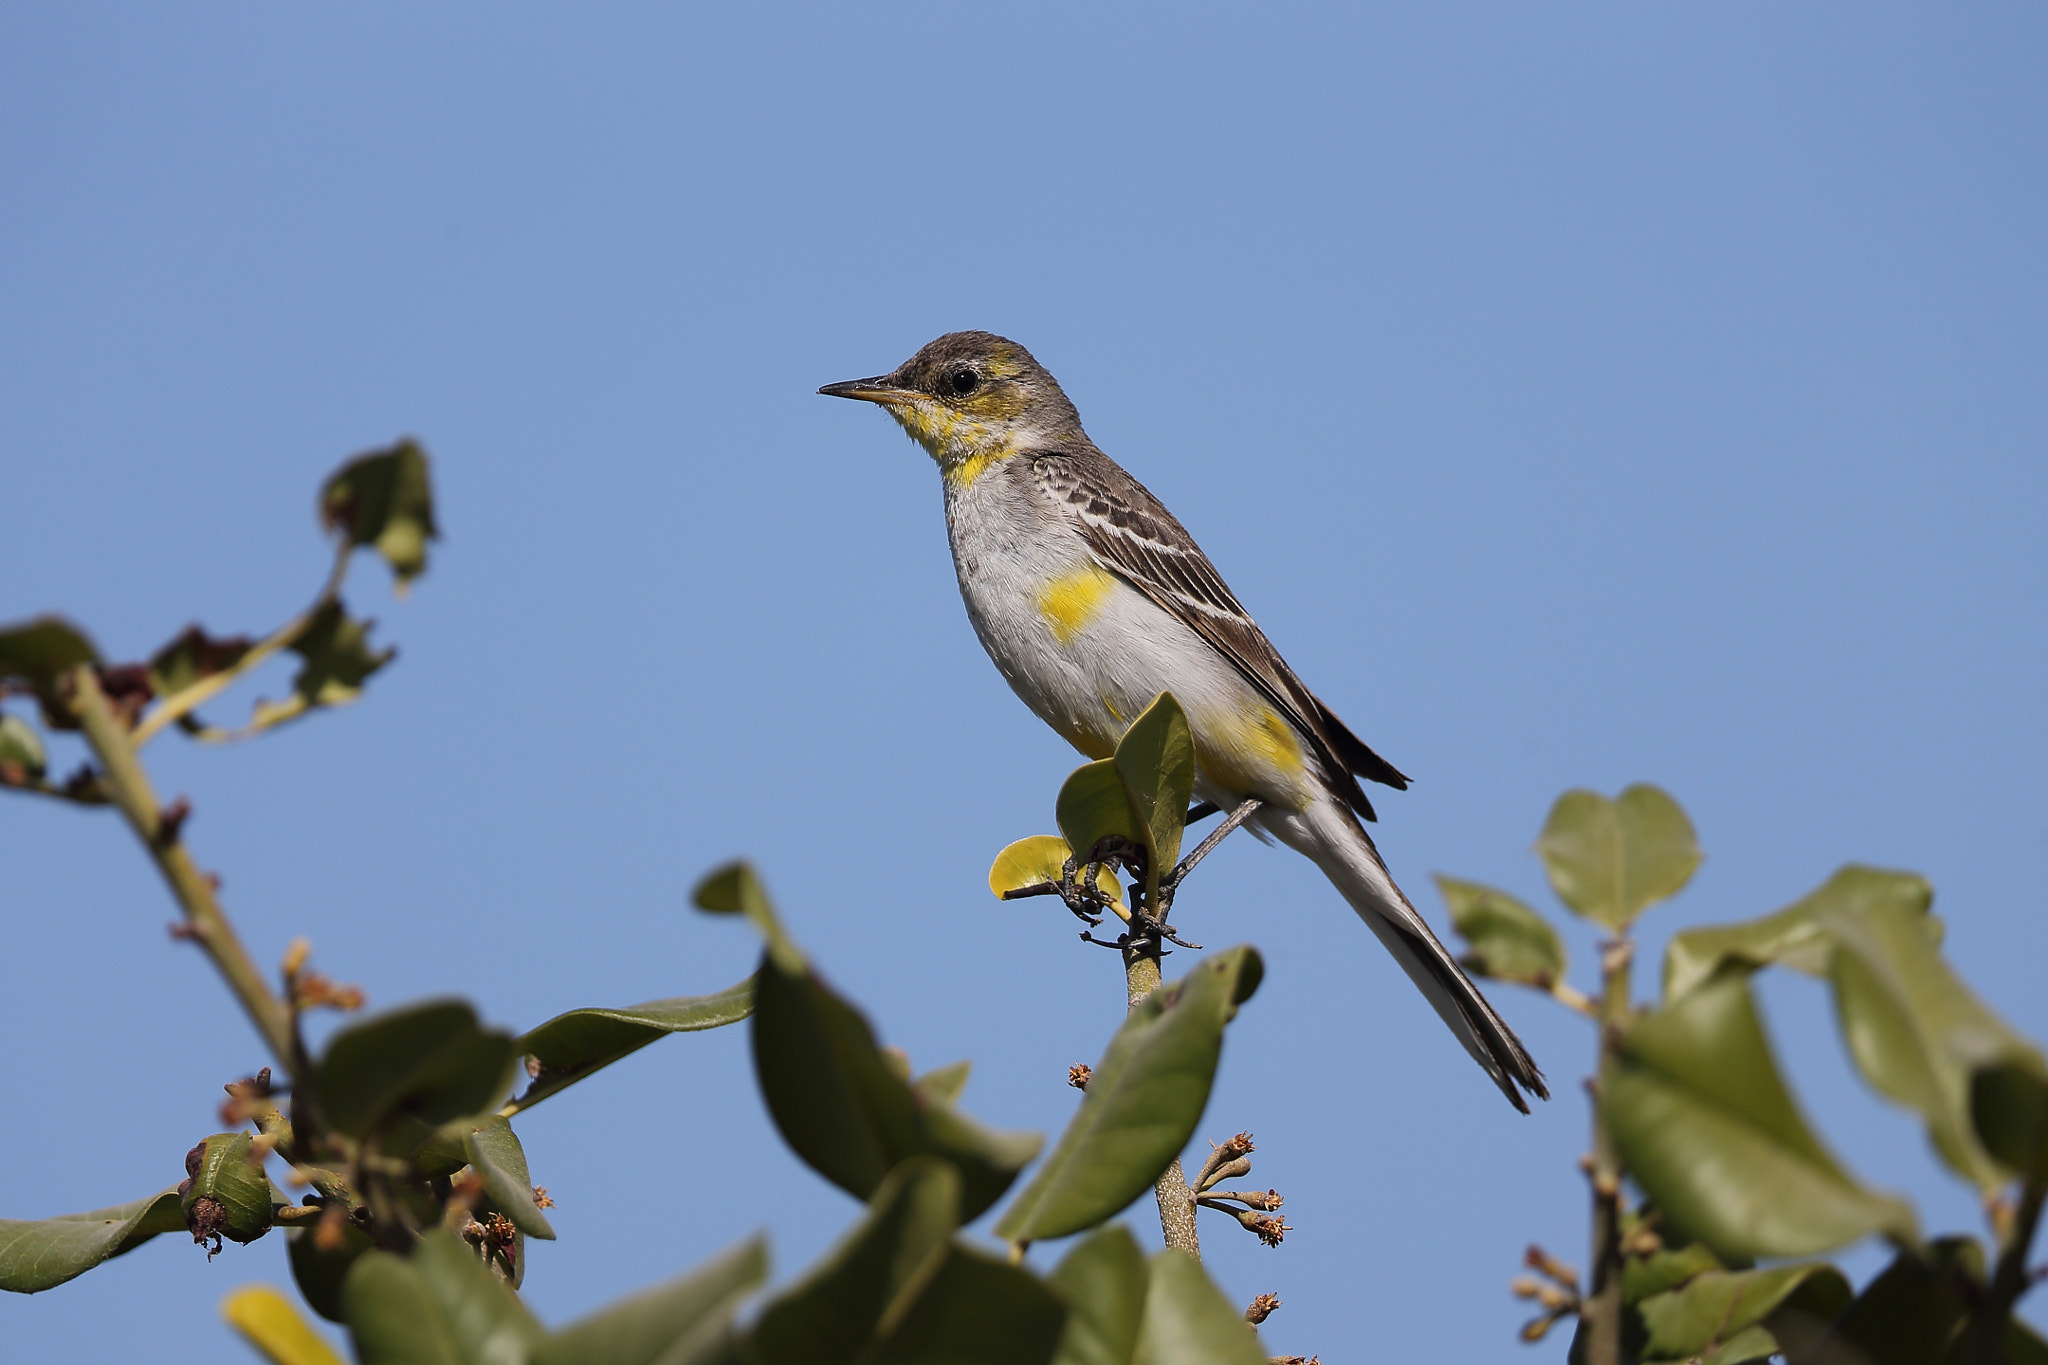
876	390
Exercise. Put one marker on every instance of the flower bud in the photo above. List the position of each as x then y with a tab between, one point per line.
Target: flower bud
226	1193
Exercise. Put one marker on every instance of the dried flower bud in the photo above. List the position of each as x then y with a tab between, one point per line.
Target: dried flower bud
1261	1308
540	1198
1078	1075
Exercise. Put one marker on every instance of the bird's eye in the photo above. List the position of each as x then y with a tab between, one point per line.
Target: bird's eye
961	382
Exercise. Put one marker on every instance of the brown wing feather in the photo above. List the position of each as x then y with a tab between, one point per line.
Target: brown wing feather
1133	533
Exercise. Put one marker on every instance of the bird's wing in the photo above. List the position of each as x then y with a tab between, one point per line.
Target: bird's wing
1131	532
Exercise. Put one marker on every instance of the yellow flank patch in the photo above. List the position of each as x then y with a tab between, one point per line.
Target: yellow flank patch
1071	601
1248	751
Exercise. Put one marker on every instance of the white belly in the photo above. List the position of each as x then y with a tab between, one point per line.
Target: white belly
1089	673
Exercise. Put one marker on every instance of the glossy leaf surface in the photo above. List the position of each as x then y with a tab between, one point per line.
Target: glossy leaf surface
851	1115
1142	1103
580	1043
439	1305
1914	1029
735	889
1509	941
1189	1322
1104	1281
643	1328
1727	1315
1794	937
39	1254
1156	761
1707	1128
495	1153
866	1286
1040	861
1611	860
431	1062
1095	814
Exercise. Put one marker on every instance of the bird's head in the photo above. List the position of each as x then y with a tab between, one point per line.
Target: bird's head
971	398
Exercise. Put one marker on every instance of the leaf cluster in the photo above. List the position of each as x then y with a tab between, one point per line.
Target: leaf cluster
1693	1111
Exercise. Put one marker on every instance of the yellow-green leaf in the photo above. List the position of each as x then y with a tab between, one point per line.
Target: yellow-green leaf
1142	1103
1611	860
1796	936
1156	761
1510	942
1040	861
1707	1129
268	1322
384	499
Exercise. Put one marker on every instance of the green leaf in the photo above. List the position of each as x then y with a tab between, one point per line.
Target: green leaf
431	1062
337	660
393	1317
1708	1318
1914	1029
1611	860
1156	761
640	1329
39	651
269	1323
1095	813
495	1154
2009	1110
1510	942
1663	1271
21	751
383	498
442	1306
735	890
39	1254
1040	861
1142	1103
867	1285
1104	1281
847	1112
1708	1130
572	1046
320	1272
193	657
227	1175
1913	1309
943	1084
1794	937
978	1309
1189	1322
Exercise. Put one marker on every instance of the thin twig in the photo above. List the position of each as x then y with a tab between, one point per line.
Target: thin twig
206	925
184	701
1244	811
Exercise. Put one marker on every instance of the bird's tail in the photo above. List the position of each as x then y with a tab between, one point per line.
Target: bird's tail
1348	858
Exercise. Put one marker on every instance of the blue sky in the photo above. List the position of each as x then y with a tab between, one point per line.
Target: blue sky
1577	395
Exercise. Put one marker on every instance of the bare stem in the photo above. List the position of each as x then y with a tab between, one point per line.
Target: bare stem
1602	1306
205	923
1992	1318
184	702
1176	1200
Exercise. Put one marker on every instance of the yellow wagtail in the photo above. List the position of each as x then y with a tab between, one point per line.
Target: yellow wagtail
1092	600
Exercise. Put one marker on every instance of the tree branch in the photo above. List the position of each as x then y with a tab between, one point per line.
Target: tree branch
205	923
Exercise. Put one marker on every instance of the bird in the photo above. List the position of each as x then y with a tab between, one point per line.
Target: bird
1092	599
